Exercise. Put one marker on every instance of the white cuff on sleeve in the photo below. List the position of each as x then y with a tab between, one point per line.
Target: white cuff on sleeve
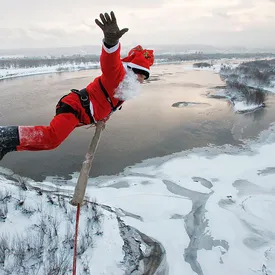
110	50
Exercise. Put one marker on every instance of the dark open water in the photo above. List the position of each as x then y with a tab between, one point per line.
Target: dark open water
146	127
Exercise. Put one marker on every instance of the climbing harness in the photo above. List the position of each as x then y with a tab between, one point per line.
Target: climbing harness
83	95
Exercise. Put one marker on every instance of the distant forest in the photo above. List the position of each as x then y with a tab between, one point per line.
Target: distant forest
249	81
27	62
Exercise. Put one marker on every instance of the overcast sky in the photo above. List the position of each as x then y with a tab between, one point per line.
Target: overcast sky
54	23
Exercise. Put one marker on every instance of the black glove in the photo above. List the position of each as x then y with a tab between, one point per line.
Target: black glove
110	28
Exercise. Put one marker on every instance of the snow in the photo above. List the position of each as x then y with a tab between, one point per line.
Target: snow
271	88
240	106
19	224
215	65
110	245
19	72
239	209
11	56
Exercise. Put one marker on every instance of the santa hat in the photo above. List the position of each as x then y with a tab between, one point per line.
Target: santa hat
140	60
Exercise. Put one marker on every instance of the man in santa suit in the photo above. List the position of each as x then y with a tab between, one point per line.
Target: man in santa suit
118	82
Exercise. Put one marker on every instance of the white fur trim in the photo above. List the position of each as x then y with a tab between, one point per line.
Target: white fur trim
132	65
92	110
111	50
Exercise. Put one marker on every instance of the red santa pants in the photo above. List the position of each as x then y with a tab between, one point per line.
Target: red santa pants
36	138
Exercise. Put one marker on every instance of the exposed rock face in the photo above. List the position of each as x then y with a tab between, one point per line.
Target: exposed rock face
143	255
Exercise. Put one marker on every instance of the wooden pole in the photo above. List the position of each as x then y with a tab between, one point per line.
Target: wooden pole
82	181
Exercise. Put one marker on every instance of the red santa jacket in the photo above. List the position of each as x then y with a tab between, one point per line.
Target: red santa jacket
113	72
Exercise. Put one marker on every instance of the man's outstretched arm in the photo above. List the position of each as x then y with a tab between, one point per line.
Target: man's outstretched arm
110	61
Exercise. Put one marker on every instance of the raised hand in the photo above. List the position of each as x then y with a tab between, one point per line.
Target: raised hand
109	26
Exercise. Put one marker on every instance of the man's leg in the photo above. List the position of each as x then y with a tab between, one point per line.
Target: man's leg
37	138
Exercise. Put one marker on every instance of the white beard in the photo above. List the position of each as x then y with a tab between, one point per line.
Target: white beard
129	87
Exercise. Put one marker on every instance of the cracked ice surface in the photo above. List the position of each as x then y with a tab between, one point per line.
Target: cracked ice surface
211	209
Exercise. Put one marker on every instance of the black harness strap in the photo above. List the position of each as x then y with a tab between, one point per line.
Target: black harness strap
114	108
85	102
63	107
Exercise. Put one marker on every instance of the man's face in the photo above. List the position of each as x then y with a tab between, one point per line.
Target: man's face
140	78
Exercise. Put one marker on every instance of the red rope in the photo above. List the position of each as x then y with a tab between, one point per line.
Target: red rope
75	238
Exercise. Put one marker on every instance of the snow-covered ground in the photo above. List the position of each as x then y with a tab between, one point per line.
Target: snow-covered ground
211	209
19	72
240	107
271	88
242	102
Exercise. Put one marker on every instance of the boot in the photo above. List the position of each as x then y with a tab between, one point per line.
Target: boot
9	139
